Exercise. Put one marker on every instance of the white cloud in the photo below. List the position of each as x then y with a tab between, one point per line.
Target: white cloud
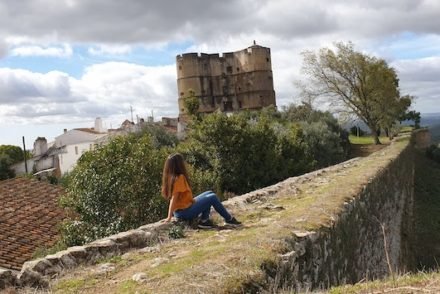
3	48
110	50
377	27
106	90
35	50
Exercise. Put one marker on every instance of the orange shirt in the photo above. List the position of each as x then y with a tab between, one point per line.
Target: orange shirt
182	192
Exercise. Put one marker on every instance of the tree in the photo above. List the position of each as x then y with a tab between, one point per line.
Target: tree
358	83
9	155
5	170
15	153
114	188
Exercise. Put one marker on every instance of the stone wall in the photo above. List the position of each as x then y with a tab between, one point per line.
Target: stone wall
353	248
36	273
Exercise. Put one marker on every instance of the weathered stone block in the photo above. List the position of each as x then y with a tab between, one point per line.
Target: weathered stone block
7	279
28	277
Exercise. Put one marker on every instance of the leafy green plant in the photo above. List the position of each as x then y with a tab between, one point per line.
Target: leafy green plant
114	188
176	232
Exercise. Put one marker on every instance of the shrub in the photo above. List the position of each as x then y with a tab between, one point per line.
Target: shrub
243	152
323	145
114	188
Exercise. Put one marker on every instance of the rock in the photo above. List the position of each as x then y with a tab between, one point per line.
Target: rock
158	261
149	249
105	267
106	247
131	239
7	279
78	253
28	277
303	234
140	277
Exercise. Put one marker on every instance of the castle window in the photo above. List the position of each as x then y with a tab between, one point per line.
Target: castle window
229	69
238	69
181	93
239	104
180	67
267	59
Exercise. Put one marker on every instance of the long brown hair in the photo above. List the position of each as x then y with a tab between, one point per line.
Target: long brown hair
174	166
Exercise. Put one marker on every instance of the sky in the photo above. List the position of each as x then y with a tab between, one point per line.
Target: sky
65	62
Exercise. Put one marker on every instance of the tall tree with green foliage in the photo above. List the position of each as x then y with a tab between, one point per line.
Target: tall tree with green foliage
364	85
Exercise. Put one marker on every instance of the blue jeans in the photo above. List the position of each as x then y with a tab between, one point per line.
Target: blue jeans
202	205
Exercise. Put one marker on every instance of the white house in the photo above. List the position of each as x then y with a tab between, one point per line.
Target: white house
60	156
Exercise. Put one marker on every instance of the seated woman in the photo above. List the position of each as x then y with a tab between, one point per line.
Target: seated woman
176	189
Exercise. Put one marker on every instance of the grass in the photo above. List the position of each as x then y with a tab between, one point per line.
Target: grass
367	140
420	282
74	285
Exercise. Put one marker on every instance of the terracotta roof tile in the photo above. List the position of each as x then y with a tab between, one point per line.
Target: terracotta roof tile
29	215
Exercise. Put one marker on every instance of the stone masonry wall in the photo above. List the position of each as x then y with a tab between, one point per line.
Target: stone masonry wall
353	248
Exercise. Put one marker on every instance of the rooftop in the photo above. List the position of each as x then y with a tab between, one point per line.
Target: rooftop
29	215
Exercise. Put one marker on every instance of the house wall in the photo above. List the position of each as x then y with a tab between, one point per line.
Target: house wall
73	153
19	168
76	137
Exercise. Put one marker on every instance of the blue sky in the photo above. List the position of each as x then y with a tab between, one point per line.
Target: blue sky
63	63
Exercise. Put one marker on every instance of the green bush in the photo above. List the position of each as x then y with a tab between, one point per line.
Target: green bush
9	155
244	152
5	171
114	188
323	144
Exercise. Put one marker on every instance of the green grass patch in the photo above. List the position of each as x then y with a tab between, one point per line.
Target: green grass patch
366	140
129	287
74	285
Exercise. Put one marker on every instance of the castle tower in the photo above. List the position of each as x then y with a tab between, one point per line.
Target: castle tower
230	82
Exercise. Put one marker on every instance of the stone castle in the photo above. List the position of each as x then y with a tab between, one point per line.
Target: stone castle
230	81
